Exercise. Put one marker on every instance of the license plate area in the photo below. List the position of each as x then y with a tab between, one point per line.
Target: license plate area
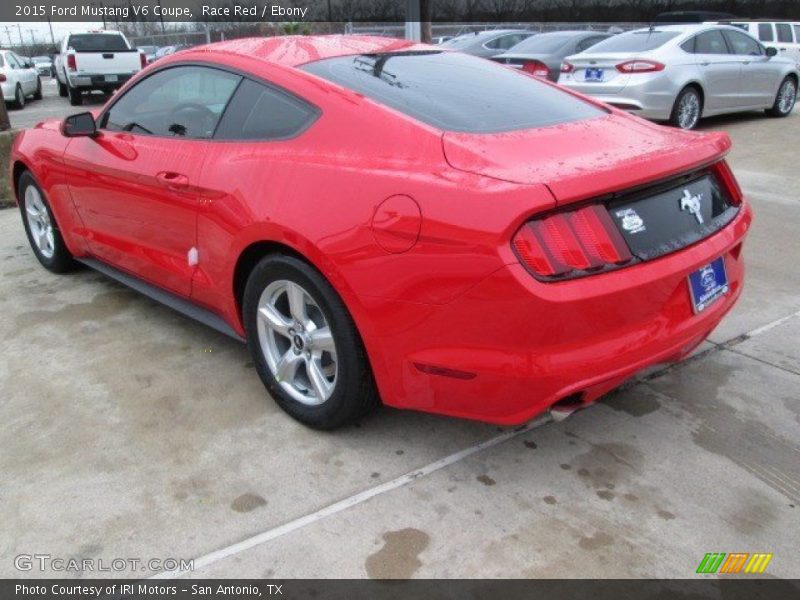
593	74
708	284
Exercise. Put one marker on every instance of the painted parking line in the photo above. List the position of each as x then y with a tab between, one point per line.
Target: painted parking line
402	480
351	501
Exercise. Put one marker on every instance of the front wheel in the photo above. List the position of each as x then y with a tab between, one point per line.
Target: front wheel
75	96
687	109
305	345
785	99
41	228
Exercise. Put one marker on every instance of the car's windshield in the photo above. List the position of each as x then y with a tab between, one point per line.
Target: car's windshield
641	40
454	91
97	42
544	43
147	49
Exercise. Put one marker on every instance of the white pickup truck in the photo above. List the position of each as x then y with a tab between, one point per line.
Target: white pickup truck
95	60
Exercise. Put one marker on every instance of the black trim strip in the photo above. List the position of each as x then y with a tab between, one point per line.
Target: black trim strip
175	302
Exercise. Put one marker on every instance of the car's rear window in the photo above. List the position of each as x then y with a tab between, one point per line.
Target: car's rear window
97	42
543	43
635	41
454	91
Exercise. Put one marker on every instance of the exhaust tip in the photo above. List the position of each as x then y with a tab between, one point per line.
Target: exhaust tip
566	406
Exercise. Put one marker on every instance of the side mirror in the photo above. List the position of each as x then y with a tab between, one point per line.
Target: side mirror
771	51
28	64
80	125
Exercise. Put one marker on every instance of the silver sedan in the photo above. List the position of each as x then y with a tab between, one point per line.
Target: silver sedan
680	73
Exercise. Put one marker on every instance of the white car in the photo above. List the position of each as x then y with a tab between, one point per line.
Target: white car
18	79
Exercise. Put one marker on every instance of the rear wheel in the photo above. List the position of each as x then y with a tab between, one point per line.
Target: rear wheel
62	89
37	95
687	109
305	345
41	228
785	99
75	96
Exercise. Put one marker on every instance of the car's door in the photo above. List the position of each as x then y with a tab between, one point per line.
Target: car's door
27	75
719	70
135	185
760	77
785	42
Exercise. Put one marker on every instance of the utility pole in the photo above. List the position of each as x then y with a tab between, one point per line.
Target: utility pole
21	43
50	23
8	33
161	16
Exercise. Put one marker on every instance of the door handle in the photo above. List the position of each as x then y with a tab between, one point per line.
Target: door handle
172	180
704	64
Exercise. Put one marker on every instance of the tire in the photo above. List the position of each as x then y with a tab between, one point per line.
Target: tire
37	95
75	96
62	89
36	216
687	109
784	99
19	98
340	401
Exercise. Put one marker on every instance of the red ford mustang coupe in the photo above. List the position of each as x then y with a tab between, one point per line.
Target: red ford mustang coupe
386	221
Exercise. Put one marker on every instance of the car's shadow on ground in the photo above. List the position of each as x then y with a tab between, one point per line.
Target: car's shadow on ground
742	118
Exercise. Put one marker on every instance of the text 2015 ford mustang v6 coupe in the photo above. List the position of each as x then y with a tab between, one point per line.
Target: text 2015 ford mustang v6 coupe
387	221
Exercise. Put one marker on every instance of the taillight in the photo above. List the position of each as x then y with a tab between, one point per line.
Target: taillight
571	244
535	68
640	66
143	59
567	67
72	65
726	177
2	77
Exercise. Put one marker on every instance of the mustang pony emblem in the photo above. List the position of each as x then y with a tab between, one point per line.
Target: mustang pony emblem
692	204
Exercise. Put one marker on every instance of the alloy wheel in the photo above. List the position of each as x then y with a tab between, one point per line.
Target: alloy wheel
787	96
297	342
39	223
689	111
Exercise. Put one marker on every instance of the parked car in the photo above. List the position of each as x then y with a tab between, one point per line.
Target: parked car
480	243
149	52
680	73
541	55
167	50
487	43
43	65
441	39
18	79
95	60
783	35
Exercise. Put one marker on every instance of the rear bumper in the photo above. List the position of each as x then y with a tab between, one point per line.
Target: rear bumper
649	96
518	345
98	82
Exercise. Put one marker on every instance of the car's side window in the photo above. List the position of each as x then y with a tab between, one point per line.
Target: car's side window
710	42
765	33
688	45
12	61
784	31
743	44
183	101
262	112
796	33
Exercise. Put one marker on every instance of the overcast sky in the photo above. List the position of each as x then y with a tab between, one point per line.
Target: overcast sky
41	31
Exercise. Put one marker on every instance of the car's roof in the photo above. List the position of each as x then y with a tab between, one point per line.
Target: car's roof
685	27
295	50
97	31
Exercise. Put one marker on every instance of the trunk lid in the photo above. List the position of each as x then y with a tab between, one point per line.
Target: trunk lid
585	159
611	82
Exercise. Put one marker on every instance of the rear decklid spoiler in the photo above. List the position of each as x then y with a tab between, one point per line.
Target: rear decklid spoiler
585	159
